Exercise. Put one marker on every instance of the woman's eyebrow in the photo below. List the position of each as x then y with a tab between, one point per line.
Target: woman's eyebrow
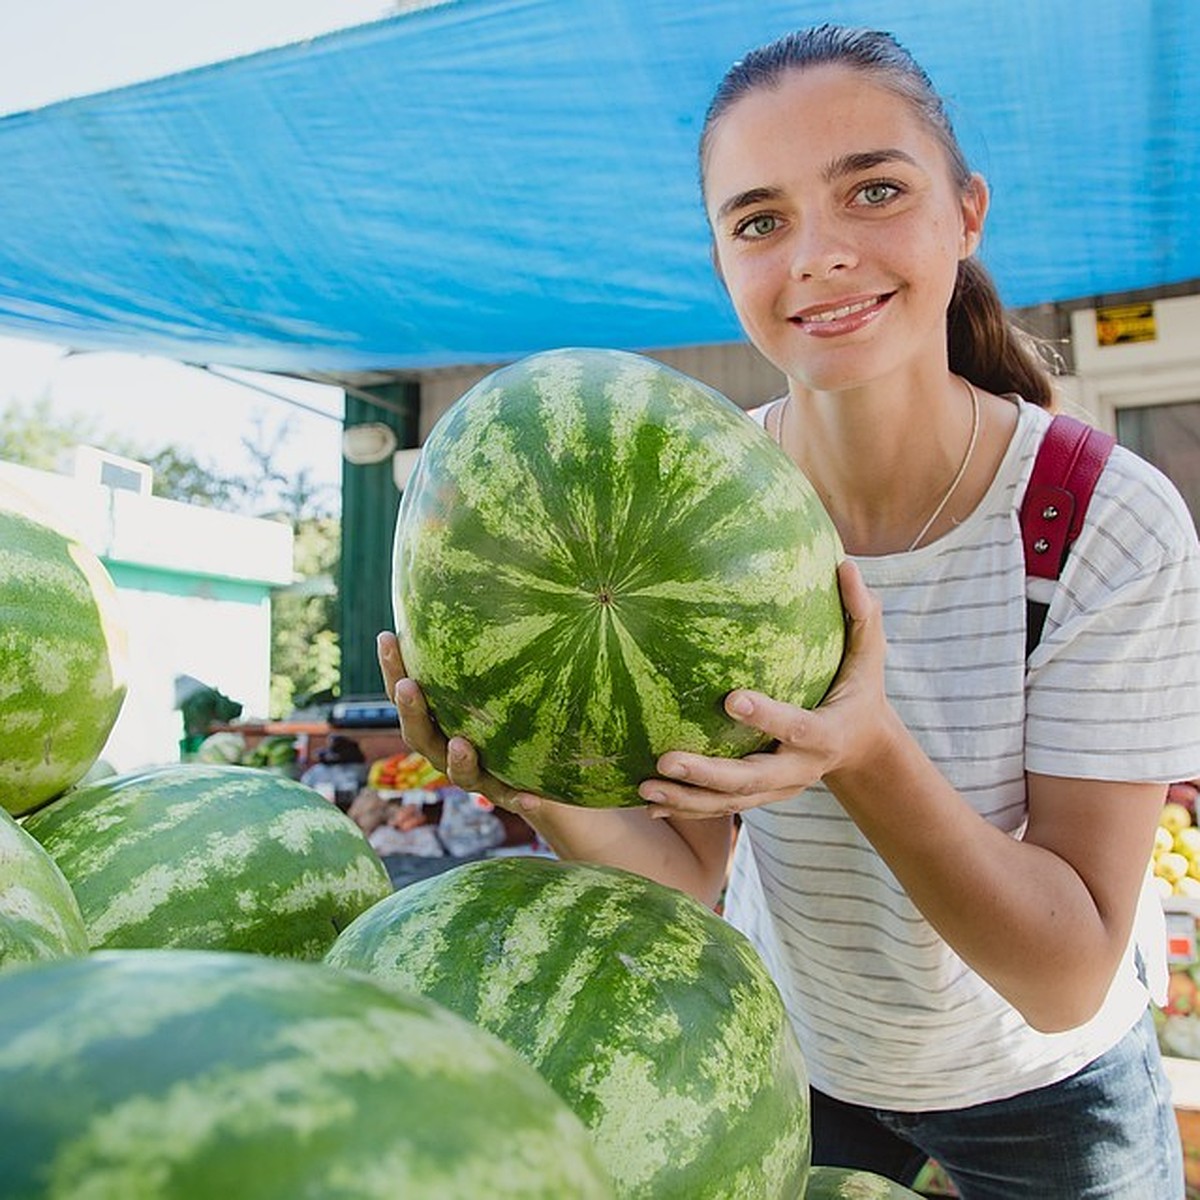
744	199
865	160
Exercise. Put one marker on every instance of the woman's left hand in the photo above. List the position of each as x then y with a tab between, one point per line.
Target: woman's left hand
839	734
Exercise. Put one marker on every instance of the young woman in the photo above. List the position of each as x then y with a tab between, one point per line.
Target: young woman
942	863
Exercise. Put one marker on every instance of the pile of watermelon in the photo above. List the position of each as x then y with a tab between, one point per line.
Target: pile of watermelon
208	985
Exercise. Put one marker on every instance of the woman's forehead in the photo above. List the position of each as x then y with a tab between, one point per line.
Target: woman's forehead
827	95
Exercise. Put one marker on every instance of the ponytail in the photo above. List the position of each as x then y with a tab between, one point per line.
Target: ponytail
986	347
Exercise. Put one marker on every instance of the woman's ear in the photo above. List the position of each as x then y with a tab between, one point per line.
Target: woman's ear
975	200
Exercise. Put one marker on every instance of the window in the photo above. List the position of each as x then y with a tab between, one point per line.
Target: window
1168	435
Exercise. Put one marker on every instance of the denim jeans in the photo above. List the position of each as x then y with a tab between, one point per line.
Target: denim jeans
1109	1131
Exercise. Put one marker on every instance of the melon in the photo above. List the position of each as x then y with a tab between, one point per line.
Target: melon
593	551
654	1019
210	858
848	1183
39	915
194	1075
63	656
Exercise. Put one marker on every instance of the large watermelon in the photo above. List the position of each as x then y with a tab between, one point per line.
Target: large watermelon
39	915
593	551
63	656
192	1075
654	1019
847	1183
211	858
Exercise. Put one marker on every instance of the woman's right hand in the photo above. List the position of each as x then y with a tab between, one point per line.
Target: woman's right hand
455	756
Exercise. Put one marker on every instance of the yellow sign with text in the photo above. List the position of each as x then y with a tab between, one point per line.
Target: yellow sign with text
1118	324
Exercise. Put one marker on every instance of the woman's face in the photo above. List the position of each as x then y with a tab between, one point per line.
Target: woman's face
837	227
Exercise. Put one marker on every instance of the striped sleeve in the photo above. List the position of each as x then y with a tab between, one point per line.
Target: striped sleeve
1114	686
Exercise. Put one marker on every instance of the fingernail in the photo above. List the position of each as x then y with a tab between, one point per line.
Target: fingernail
654	796
741	705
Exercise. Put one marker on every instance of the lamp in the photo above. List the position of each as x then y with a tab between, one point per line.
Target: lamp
370	443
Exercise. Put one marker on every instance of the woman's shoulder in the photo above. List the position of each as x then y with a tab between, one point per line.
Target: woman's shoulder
1136	519
1137	501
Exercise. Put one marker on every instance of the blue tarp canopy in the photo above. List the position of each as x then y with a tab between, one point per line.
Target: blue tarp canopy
486	178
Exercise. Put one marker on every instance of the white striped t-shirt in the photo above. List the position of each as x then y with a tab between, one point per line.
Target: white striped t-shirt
887	1013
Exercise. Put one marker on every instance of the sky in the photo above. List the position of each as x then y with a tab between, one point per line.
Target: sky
51	50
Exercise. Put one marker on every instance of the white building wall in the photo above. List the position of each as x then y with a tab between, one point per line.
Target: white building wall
194	586
1129	375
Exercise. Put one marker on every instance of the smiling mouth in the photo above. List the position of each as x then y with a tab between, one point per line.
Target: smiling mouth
829	316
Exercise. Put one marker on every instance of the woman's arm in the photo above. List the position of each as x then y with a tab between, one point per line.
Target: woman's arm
1044	919
691	855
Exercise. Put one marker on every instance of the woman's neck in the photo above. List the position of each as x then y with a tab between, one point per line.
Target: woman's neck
883	458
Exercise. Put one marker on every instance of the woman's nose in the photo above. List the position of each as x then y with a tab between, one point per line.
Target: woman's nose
820	250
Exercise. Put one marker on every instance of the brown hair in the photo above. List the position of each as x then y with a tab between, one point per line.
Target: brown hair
983	343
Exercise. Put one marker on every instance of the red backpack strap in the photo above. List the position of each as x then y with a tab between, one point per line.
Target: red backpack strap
1068	463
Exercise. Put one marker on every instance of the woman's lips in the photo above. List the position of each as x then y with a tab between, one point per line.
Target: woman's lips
829	320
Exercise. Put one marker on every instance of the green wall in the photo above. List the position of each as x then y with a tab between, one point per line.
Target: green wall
369	503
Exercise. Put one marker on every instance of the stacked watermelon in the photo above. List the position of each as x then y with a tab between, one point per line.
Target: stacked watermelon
593	552
39	915
651	1017
63	656
620	1038
188	1075
210	858
846	1183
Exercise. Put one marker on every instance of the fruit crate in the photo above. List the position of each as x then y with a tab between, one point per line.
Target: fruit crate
1178	1025
1178	1021
1184	1075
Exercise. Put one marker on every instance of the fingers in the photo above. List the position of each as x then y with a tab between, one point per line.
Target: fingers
857	599
455	756
465	771
391	665
808	743
863	609
417	726
692	785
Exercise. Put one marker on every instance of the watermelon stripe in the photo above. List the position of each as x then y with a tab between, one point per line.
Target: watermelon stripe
655	1020
181	1074
591	533
210	857
63	659
39	915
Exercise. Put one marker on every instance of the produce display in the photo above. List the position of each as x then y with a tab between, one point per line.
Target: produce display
404	772
189	1075
593	551
62	657
845	1183
39	915
652	1017
210	858
274	753
1176	856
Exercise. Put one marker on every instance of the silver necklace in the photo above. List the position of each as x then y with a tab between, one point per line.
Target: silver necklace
962	469
958	476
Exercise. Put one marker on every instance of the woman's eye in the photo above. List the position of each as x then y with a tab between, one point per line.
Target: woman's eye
877	193
758	226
